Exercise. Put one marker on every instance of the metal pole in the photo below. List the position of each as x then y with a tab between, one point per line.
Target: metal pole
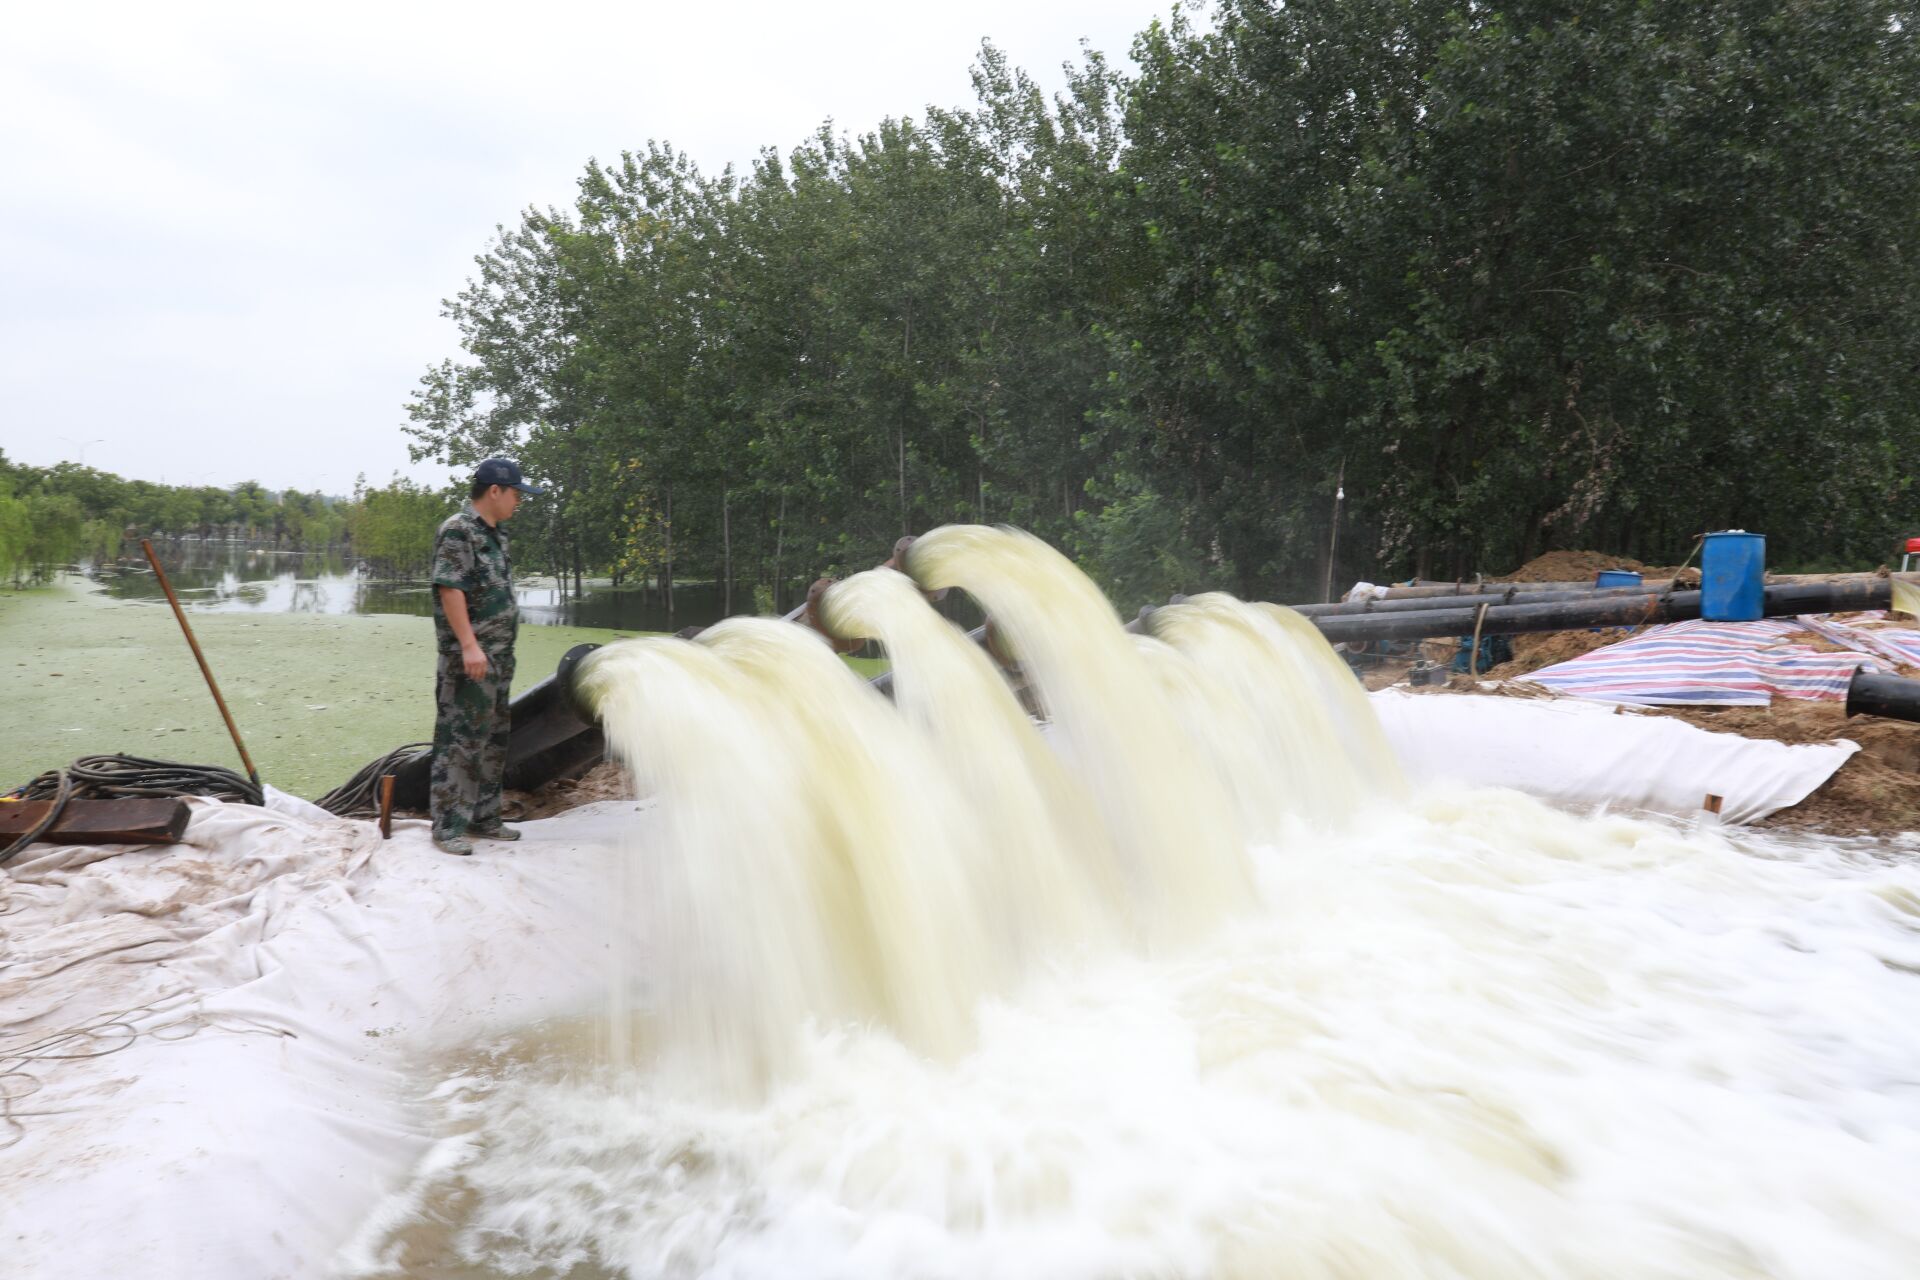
386	807
1333	539
146	545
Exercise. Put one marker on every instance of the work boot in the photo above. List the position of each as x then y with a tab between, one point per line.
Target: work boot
453	844
499	832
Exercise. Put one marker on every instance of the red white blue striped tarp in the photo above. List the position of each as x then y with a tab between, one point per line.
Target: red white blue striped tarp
1731	664
1898	645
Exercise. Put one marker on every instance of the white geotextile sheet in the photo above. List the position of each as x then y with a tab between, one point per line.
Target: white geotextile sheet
287	980
1584	754
275	996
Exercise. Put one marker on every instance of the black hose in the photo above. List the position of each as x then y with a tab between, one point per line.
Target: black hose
63	792
359	795
123	778
129	777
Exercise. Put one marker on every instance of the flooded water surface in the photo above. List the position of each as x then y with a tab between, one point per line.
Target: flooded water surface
232	578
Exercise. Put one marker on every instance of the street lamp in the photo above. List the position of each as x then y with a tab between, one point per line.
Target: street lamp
84	445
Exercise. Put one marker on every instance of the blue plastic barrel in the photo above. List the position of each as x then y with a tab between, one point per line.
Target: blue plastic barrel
1616	578
1733	567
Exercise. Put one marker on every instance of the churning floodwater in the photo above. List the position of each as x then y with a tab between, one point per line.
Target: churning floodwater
1179	983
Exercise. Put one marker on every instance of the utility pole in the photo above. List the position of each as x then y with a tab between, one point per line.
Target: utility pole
1333	539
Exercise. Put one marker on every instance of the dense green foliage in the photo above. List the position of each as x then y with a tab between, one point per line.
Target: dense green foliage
392	528
1535	277
52	516
1524	277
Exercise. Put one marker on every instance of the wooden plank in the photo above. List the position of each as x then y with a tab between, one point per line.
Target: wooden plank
141	821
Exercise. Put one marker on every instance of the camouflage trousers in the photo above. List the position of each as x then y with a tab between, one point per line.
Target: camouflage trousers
470	727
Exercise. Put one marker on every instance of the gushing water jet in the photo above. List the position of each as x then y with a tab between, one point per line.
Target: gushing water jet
1179	850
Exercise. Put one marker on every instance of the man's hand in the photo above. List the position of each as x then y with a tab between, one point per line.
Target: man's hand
454	602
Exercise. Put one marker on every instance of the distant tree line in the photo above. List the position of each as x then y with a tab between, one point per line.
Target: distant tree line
59	515
391	528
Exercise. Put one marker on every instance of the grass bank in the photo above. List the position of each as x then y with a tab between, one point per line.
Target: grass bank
315	695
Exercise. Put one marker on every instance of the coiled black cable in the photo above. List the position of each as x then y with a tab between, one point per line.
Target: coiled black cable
359	796
126	777
63	792
123	777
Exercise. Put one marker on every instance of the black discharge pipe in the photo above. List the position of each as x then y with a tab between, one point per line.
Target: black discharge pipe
553	736
1517	593
1629	611
1424	590
1890	697
556	735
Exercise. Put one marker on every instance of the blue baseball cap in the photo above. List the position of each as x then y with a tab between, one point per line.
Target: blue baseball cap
506	472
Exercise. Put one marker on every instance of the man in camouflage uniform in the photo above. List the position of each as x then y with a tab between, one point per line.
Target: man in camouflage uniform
475	622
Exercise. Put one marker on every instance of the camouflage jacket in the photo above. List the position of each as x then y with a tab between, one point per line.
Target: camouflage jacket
471	555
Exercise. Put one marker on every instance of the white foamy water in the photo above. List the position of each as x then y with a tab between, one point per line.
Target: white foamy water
1482	1039
884	1031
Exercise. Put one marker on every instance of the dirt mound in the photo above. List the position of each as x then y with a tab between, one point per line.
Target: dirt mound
1544	648
602	782
1866	797
1689	576
1580	566
1569	566
1786	720
1876	792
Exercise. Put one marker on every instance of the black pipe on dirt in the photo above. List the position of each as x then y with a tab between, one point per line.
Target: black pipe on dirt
1423	590
554	735
555	731
1516	593
1629	611
1890	697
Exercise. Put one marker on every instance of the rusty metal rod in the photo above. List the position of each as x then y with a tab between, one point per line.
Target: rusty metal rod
253	774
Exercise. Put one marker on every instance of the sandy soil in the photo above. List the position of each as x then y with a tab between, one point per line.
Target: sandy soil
602	782
1580	566
1876	792
1544	648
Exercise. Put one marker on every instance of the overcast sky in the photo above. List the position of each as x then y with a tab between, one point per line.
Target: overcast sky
225	231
